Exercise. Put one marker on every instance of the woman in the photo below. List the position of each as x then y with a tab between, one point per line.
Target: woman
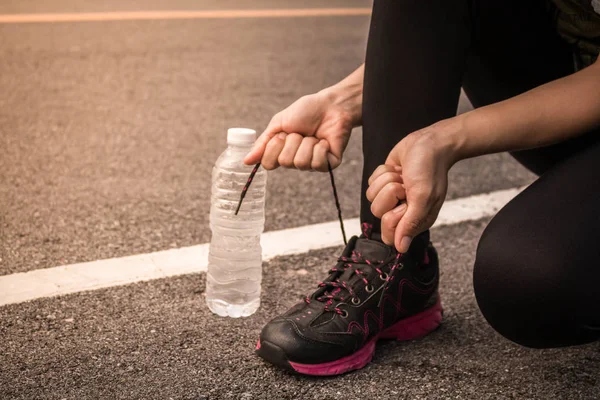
529	70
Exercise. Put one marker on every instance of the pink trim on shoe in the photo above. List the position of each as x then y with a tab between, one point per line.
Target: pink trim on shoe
349	363
379	318
416	326
410	328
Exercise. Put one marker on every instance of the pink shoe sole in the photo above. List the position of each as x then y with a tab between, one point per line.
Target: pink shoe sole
410	328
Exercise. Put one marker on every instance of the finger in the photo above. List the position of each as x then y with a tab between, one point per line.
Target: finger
304	154
389	222
387	198
255	155
334	160
272	151
337	145
414	221
382	169
319	158
292	144
376	185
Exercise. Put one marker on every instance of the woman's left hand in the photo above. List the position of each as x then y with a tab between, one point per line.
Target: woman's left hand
415	175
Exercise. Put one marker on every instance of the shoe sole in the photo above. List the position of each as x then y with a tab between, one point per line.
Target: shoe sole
413	327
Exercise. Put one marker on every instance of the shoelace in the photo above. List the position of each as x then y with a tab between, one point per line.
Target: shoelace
339	290
335	287
335	196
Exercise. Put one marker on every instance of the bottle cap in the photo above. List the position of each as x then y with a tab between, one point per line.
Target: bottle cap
241	136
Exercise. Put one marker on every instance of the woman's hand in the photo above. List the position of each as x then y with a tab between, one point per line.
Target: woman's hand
302	135
415	175
314	130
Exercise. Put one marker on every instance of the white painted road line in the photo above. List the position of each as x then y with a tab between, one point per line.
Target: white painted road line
181	14
17	288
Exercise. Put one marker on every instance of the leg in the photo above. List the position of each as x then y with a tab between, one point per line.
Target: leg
537	271
416	54
534	276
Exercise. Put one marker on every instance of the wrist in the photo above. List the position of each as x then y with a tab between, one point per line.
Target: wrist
347	97
449	138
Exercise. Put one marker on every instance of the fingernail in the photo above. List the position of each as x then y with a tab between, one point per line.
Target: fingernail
400	209
397	167
405	244
281	135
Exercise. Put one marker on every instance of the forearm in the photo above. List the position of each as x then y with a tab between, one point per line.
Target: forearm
551	113
348	94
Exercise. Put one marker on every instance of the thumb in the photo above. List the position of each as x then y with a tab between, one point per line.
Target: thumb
337	145
255	155
412	223
334	158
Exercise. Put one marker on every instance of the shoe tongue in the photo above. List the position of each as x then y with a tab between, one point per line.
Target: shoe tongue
367	249
372	249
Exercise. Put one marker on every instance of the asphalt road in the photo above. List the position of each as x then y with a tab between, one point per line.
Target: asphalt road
108	132
37	6
156	340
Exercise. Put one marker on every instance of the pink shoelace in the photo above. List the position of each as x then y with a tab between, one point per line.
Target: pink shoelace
339	290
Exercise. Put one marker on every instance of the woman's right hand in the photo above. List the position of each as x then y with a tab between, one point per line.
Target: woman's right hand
306	135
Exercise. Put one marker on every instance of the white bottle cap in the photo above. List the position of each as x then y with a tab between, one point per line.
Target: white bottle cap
241	136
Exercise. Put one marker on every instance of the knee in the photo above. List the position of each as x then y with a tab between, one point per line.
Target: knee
517	290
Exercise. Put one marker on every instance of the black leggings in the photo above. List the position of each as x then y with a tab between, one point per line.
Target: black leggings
537	271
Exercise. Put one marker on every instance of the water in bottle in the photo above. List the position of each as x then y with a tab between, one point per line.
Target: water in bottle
235	256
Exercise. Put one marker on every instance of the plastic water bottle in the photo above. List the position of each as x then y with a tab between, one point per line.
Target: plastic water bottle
235	255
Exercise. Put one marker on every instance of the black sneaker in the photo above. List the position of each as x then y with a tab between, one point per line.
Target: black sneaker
372	293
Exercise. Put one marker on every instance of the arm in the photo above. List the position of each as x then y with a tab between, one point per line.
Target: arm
416	170
548	114
348	93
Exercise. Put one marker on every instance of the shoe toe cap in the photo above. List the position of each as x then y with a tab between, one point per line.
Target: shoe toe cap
281	341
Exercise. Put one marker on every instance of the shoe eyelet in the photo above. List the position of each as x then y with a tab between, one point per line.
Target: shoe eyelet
383	276
344	314
355	301
369	288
